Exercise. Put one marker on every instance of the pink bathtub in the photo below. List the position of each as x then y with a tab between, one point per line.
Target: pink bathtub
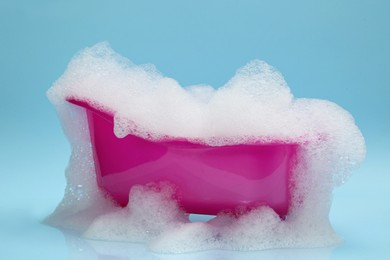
208	179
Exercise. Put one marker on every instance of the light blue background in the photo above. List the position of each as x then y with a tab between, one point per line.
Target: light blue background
336	50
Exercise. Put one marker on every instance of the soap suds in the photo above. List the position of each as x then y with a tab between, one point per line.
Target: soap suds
130	224
255	106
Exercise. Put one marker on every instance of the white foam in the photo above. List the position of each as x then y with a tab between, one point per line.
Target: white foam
130	223
255	105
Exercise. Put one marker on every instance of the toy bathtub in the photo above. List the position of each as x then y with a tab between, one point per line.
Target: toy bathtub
208	179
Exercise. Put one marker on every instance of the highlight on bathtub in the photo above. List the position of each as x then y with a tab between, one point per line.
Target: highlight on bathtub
148	152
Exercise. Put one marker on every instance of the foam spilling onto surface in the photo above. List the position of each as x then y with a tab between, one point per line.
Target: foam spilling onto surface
255	106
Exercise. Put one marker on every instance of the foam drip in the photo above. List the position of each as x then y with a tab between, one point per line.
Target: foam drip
255	106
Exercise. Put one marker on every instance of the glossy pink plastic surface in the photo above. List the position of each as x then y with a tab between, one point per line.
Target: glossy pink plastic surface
208	179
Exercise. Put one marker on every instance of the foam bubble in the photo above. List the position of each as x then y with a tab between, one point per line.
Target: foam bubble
131	224
256	105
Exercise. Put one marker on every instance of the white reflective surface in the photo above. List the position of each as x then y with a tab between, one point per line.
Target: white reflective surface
359	214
